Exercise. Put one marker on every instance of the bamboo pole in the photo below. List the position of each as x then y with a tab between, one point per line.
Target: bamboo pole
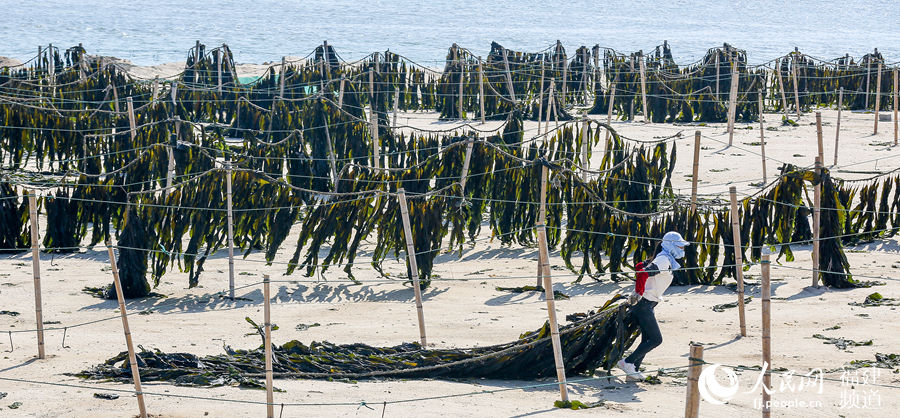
585	148
413	267
542	219
461	77
609	110
509	83
281	78
219	56
732	101
784	106
129	104
228	203
821	154
174	92
718	67
692	402
541	99
796	82
548	293
549	106
868	77
738	258
132	359
584	77
36	271
696	173
644	89
341	94
837	130
155	89
895	106
877	97
170	151
481	88
817	208
331	156
464	177
766	334
762	136
270	396
396	104
565	80
325	60
373	122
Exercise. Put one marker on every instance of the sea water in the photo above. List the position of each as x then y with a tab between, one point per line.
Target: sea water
258	31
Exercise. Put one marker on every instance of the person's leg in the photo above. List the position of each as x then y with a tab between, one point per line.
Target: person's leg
651	337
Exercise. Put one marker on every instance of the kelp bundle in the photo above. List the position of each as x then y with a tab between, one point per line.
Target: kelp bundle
592	341
14	232
818	82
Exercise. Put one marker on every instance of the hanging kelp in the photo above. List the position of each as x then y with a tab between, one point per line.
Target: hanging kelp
15	234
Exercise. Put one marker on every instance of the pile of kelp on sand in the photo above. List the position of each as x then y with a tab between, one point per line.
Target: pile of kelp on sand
591	341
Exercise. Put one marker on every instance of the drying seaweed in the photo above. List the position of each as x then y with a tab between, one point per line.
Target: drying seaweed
722	307
842	343
594	342
557	295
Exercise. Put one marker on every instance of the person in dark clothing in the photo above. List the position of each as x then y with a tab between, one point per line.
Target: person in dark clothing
652	280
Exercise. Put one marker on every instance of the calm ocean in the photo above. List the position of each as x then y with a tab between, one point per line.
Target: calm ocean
152	32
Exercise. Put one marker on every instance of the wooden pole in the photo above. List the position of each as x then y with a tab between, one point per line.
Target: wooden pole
644	89
115	98
762	136
481	88
549	106
155	89
565	80
732	101
877	97
784	105
738	258
868	77
129	104
341	94
509	83
396	104
228	203
820	145
837	130
281	78
464	177
692	403
270	396
170	173
817	207
219	56
541	99
413	267
132	359
461	77
718	67
36	271
585	148
696	172
895	106
796	83
609	110
548	292
766	334
542	219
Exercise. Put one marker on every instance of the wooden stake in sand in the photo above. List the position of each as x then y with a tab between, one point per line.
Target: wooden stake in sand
609	110
738	258
762	136
550	106
644	89
464	177
36	271
877	97
548	291
766	334
509	83
481	89
820	145
837	129
796	62
228	205
696	172
784	106
541	99
413	267
732	101
817	209
895	106
129	104
692	403
132	359
270	397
